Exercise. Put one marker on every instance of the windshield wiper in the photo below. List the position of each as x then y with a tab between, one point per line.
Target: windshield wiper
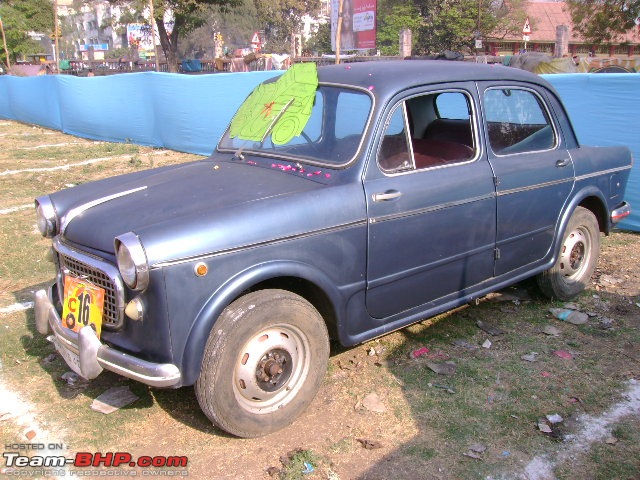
238	154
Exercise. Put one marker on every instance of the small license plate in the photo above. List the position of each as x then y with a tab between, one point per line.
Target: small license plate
72	359
83	305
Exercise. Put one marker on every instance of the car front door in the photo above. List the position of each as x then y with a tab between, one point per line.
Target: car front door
431	205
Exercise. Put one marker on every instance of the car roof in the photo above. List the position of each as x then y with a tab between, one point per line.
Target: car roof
386	77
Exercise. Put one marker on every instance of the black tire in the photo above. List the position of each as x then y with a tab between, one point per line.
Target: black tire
263	364
577	259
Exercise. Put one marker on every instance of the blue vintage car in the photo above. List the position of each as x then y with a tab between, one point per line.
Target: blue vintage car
343	202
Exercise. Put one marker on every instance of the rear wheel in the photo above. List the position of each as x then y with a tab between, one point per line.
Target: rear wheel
577	260
264	362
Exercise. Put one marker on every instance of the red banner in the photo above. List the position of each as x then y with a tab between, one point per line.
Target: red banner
358	31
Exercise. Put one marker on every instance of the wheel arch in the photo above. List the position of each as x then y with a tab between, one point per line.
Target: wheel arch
593	200
301	279
597	206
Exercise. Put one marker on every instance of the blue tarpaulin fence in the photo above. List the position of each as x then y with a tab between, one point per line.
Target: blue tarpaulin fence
189	113
181	112
605	110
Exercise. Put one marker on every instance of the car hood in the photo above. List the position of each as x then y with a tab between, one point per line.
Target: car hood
173	209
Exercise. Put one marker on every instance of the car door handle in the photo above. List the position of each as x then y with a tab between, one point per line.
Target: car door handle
563	163
386	196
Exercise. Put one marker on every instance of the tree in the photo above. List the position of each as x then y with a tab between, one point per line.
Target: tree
394	17
603	21
455	24
446	25
236	26
320	41
509	19
19	18
174	19
282	18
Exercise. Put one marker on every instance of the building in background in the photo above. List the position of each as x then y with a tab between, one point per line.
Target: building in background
310	24
92	31
545	17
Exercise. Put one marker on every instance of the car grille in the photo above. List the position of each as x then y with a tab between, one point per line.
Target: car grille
102	275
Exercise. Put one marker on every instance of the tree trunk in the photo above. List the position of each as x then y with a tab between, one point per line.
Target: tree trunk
169	43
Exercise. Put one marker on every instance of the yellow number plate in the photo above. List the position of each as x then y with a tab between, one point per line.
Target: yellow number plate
83	305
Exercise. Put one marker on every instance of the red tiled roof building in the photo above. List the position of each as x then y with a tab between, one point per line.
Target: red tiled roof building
544	19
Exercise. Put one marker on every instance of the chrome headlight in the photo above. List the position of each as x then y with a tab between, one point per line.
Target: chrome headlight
46	217
132	261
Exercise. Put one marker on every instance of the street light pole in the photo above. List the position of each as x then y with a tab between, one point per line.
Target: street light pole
153	36
478	33
338	32
56	54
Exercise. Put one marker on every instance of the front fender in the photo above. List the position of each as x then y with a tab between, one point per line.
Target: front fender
230	290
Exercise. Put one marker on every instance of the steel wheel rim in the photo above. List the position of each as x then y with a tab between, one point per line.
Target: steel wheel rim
271	368
576	254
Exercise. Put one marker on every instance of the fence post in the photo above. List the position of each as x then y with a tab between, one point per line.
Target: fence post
562	41
405	43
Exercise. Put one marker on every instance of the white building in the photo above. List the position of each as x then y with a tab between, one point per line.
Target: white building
92	33
310	24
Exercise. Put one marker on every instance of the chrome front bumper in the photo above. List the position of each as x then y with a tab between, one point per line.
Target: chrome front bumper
87	356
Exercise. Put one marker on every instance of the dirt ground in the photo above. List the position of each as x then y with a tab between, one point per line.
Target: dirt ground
381	412
405	442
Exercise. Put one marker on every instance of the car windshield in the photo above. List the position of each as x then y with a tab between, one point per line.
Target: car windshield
330	135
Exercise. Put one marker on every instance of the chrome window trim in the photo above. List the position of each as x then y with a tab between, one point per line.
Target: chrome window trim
474	118
547	111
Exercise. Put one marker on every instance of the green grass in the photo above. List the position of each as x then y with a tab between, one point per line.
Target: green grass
72	153
497	394
604	461
422	452
298	463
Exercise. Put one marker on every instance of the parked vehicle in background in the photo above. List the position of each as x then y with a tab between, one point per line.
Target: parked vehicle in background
343	202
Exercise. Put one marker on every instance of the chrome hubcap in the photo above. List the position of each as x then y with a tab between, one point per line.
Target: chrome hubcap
574	258
271	369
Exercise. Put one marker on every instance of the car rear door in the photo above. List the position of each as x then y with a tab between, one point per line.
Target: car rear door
533	171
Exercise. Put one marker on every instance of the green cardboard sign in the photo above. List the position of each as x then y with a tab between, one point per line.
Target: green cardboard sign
281	108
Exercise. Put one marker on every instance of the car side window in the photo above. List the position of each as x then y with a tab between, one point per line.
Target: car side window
517	121
452	105
427	131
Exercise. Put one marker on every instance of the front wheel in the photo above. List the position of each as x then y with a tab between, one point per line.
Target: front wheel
577	260
263	364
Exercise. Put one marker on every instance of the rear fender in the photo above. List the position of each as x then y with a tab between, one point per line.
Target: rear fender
591	198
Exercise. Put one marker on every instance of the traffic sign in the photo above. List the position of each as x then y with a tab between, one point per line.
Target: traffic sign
526	30
255	39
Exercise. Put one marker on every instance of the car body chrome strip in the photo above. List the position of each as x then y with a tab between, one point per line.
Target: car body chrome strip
603	172
313	233
74	212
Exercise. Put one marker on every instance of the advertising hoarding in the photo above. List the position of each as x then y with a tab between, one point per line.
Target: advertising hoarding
358	31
